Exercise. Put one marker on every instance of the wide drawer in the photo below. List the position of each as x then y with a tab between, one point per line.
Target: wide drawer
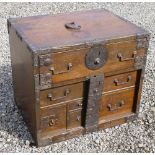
64	66
120	81
71	92
62	94
117	103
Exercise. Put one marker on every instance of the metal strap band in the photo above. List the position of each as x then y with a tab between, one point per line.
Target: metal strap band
93	102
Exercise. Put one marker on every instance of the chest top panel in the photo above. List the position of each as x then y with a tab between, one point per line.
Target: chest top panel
53	31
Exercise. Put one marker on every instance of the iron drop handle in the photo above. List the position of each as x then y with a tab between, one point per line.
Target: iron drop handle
117	82
117	106
73	26
68	68
121	58
50	96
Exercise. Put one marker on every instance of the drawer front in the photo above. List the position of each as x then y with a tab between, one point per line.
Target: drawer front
61	94
74	119
120	81
117	103
63	66
53	118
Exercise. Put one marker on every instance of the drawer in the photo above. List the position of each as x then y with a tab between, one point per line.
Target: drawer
117	103
62	94
53	118
120	81
74	119
63	66
73	93
76	104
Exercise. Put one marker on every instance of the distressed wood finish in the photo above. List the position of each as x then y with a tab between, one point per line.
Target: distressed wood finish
76	73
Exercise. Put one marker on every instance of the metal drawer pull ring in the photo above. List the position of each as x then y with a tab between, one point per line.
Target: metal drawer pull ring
69	67
121	58
52	122
50	96
117	82
117	106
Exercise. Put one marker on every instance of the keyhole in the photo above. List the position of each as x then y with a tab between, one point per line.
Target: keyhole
99	53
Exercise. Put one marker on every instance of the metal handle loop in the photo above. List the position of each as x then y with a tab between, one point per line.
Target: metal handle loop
121	58
50	96
117	82
73	26
69	67
116	107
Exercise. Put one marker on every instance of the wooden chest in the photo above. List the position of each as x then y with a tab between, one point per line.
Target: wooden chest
76	73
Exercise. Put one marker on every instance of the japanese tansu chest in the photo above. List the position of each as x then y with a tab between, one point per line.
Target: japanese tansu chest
76	73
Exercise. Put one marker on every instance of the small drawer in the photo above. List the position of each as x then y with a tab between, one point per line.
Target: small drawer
74	119
61	94
53	118
120	81
76	104
117	103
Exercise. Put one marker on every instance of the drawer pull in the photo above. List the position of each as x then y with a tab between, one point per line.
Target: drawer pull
117	106
50	96
79	104
78	118
69	67
121	58
117	82
52	122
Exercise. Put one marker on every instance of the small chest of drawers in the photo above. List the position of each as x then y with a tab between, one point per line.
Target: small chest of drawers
76	73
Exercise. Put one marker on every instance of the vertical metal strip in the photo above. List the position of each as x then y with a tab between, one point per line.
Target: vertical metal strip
93	103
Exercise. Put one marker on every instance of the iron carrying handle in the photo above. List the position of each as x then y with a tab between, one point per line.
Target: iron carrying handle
50	96
116	107
118	83
73	26
121	58
69	67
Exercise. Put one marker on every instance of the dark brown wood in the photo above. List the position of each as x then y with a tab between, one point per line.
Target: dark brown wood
23	80
54	58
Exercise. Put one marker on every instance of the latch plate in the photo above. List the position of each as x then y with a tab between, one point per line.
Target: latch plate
96	57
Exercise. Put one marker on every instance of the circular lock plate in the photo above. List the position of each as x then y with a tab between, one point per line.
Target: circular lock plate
96	57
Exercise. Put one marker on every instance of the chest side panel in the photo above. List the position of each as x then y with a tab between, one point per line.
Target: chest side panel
23	79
